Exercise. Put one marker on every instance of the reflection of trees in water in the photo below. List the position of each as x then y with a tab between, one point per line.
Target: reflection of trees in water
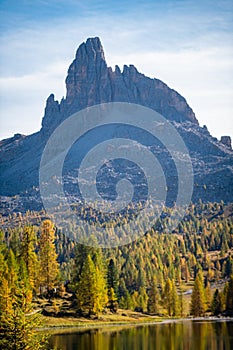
189	335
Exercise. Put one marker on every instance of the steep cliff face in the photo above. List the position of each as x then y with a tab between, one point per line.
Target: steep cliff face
90	81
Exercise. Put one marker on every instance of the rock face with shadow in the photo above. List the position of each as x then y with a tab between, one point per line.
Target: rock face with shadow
89	82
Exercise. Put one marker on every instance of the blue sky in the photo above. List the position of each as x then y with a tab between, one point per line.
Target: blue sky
187	44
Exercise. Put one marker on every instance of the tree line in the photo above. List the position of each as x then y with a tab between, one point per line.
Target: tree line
27	267
153	274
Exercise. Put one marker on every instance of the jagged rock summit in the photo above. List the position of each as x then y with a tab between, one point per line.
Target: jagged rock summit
226	140
90	81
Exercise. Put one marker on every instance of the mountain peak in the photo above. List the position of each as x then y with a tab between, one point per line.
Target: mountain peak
92	49
90	81
92	45
88	67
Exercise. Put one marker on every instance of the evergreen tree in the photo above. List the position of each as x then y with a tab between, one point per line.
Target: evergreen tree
135	301
168	297
91	289
198	297
141	283
112	277
18	322
228	267
112	284
208	295
229	297
175	300
153	297
224	296
186	273
14	242
81	253
216	304
86	287
112	300
127	302
18	326
101	296
181	303
12	272
122	288
47	257
28	255
142	299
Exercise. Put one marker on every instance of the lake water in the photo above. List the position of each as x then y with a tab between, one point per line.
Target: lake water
181	335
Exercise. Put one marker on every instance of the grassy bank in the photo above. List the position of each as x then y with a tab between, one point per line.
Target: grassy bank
67	324
120	318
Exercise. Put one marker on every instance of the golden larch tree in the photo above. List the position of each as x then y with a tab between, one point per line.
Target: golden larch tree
48	265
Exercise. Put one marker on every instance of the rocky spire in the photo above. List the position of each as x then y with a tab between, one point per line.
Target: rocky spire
90	81
226	140
87	75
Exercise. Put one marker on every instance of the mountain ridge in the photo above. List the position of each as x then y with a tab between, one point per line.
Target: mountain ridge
89	82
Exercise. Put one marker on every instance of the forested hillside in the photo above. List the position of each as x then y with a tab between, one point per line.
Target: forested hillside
187	272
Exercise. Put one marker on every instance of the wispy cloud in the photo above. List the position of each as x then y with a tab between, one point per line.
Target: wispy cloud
187	46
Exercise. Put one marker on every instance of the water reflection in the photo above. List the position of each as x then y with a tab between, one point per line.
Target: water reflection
188	335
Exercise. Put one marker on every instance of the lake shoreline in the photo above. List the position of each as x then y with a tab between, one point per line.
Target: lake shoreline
184	333
150	320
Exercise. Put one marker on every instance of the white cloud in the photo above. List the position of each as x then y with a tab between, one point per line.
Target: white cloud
36	58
